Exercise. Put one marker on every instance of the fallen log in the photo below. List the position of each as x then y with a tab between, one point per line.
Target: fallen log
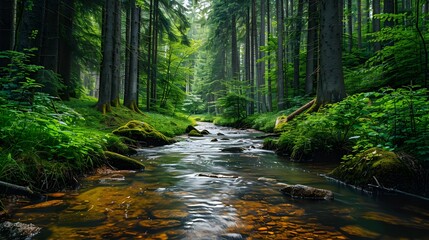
13	189
300	110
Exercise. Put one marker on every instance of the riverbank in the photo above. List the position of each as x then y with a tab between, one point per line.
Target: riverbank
48	148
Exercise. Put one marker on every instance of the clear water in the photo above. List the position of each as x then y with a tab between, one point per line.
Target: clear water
172	200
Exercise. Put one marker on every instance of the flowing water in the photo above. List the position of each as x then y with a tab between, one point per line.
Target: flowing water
194	190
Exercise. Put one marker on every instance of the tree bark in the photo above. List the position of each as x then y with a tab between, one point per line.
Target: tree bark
6	24
235	62
359	24
116	68
269	80
66	16
312	44
330	88
261	63
50	36
279	60
376	22
297	46
350	25
131	92
105	90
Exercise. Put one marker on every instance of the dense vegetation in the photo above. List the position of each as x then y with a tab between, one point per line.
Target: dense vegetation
239	63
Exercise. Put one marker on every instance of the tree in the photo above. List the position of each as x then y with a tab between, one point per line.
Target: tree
297	46
376	22
131	80
312	46
7	24
279	54
330	88
104	98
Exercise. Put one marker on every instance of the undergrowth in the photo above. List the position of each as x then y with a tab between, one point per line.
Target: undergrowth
392	119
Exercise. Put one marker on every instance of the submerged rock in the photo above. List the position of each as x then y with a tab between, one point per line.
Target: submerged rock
233	149
18	230
382	168
211	175
144	133
122	162
306	192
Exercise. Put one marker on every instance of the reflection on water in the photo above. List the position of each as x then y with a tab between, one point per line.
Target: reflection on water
174	199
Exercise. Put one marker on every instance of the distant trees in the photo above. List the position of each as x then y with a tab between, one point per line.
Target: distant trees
265	54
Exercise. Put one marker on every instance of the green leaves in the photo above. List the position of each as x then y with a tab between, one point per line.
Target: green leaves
392	119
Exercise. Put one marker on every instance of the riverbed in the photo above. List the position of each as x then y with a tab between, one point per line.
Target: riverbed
204	188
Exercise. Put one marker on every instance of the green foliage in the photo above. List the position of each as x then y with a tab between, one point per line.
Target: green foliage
400	61
193	104
395	120
17	87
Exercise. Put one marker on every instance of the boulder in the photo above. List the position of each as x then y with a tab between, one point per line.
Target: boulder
143	133
306	192
190	128
195	133
382	168
205	132
18	230
122	162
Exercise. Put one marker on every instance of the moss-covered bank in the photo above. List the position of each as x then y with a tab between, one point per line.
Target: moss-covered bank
49	147
383	168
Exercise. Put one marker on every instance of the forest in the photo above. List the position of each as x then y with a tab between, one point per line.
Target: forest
87	83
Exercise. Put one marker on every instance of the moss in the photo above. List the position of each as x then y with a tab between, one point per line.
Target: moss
144	133
122	162
190	128
387	167
195	133
280	123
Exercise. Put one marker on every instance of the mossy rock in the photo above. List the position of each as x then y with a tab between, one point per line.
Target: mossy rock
390	170
205	132
122	162
190	128
195	133
144	133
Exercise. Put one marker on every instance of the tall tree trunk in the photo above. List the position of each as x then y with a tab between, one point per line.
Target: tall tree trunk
376	22
7	13
154	72
105	90
235	62
359	23
247	60
116	68
253	55
330	87
131	91
269	80
149	55
389	8
66	16
50	36
297	46
7	26
261	64
127	50
312	44
279	60
350	25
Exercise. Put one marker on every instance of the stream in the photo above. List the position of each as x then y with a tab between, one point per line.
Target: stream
194	190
